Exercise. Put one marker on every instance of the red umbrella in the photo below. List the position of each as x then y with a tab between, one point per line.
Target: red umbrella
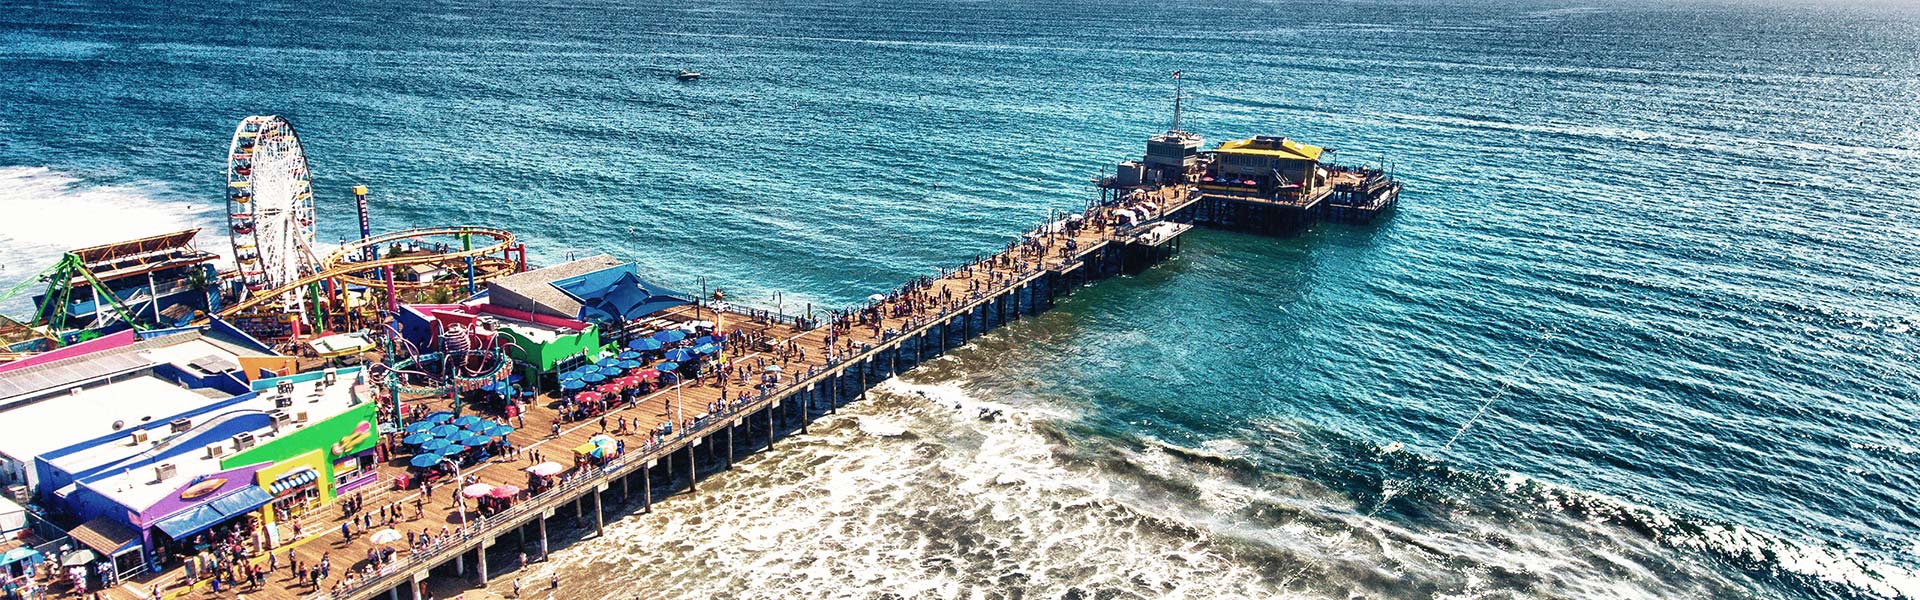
647	375
588	396
504	491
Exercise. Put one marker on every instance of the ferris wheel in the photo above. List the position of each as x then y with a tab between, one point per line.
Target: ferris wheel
269	205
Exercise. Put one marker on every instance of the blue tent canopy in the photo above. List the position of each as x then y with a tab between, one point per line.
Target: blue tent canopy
499	429
439	417
213	512
628	355
419	427
644	344
593	378
606	362
418	438
610	371
629	364
23	553
444	430
436	444
572	384
619	293
466	421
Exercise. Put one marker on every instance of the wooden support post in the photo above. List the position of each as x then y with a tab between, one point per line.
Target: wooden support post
646	488
769	411
693	474
806	406
864	364
624	495
480	560
730	428
460	564
543	536
599	514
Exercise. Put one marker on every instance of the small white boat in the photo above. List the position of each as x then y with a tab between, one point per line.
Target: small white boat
686	75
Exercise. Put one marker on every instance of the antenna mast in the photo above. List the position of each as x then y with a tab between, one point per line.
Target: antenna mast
1178	95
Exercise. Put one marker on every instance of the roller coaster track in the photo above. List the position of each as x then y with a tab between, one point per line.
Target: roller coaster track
336	265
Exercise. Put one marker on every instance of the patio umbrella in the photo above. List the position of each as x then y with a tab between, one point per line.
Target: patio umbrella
589	396
499	429
569	376
444	430
478	490
572	384
706	349
607	362
667	367
475	439
436	444
670	335
647	374
466	421
876	298
385	536
612	370
628	355
439	417
477	425
609	388
78	558
772	369
546	469
593	378
629	364
418	438
419	427
504	491
425	460
704	340
22	553
679	355
644	344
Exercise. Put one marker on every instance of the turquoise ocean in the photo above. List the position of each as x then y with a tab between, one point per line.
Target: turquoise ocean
1666	252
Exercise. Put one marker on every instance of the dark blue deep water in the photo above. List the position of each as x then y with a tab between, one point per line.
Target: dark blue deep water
1669	247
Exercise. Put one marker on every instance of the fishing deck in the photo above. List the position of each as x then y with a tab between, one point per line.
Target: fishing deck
945	312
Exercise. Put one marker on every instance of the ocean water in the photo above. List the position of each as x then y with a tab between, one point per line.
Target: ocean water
1665	252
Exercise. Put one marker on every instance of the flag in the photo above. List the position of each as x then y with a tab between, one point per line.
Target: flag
1176	74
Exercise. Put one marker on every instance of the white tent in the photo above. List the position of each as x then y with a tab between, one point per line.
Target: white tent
13	518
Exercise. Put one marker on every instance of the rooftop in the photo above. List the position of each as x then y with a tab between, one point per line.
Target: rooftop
1276	147
534	291
195	351
62	421
135	485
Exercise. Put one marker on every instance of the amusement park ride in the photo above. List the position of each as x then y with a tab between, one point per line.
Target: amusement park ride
283	288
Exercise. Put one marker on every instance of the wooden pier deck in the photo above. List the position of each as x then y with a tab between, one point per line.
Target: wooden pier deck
942	313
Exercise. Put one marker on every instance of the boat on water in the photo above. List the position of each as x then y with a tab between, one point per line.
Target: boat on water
686	75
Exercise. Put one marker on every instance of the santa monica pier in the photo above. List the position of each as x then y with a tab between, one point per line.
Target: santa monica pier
423	406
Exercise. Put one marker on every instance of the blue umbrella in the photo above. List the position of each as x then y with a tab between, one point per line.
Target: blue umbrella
418	438
475	439
644	344
704	340
679	355
444	430
466	421
628	355
705	349
667	366
478	426
419	427
425	460
670	336
436	444
439	417
612	370
629	364
607	362
499	429
593	378
572	384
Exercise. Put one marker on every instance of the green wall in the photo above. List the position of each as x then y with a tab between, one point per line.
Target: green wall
325	436
544	356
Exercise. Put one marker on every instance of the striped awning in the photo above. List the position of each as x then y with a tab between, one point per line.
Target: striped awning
292	481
